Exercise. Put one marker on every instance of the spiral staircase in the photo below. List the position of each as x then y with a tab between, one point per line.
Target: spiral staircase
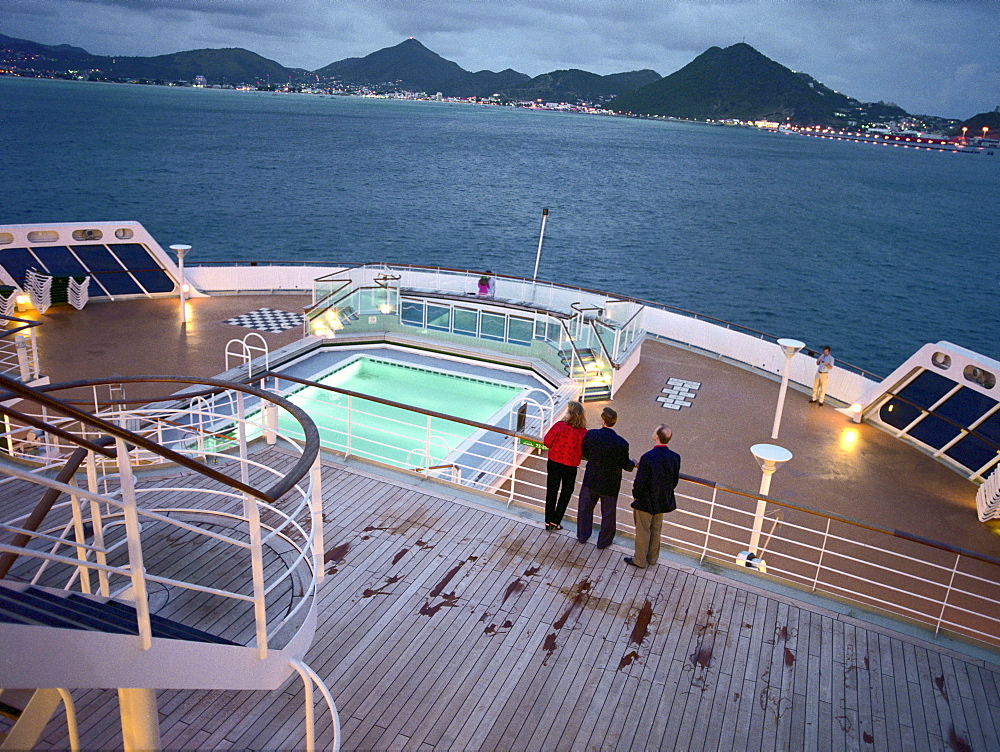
145	546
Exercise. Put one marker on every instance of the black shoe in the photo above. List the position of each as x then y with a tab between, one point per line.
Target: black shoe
811	401
628	560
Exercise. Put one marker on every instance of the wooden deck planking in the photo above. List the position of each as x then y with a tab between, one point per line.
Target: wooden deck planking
404	680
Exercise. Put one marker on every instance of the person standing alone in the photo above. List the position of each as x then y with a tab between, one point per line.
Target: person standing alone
565	444
607	455
824	365
653	490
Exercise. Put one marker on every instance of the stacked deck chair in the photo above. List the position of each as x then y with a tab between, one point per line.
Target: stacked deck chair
8	297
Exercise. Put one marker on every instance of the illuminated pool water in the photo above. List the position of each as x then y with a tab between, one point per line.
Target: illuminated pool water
394	435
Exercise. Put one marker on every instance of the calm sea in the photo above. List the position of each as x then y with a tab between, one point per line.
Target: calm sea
873	250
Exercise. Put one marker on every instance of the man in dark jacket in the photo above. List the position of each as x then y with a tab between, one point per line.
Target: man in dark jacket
653	491
607	455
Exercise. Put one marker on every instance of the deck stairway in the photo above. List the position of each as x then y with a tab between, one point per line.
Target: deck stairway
583	366
181	574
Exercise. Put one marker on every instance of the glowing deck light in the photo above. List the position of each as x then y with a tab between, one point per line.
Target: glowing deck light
849	439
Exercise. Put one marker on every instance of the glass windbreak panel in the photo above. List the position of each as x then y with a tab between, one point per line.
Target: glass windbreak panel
492	326
966	406
466	322
119	284
927	389
96	258
438	317
59	261
154	281
519	331
972	452
17	261
412	313
898	414
554	332
934	432
134	256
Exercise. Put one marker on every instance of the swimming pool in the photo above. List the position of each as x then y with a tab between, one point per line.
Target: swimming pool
394	435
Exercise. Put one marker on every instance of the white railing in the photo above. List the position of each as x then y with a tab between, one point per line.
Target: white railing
629	316
19	349
931	583
97	530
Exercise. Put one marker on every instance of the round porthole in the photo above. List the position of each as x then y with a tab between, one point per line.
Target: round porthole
941	360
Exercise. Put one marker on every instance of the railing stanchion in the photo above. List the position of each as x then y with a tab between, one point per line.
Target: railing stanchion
81	553
947	594
350	413
241	433
708	528
137	568
21	345
316	474
97	522
252	512
822	551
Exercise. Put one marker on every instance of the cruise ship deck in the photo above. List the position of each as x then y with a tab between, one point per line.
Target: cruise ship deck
447	623
450	619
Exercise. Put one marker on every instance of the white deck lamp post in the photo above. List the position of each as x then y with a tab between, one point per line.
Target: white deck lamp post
789	347
181	251
770	457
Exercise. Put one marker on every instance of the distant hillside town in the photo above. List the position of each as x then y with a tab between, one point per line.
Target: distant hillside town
736	85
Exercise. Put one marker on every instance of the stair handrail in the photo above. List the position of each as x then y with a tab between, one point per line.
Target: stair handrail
309	451
49	498
576	353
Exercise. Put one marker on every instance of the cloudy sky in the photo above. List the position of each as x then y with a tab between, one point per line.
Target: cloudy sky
939	57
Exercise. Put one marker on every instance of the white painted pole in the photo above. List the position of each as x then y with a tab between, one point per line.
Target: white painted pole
181	251
538	253
789	347
770	457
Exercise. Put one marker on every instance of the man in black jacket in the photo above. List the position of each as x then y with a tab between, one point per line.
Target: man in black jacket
607	455
653	491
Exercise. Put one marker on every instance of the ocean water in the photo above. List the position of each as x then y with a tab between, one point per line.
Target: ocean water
873	250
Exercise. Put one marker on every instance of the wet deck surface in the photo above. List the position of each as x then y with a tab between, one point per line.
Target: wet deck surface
446	625
853	470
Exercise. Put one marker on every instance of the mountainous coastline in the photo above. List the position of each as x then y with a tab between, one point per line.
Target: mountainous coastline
739	83
732	83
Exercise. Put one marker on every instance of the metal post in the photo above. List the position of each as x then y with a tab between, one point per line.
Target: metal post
140	719
23	362
770	457
241	433
789	347
181	251
822	552
317	518
257	570
538	253
135	560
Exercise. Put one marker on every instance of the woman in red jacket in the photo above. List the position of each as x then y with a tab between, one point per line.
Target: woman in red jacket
564	441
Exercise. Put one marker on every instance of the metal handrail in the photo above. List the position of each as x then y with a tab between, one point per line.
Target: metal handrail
674	309
39	395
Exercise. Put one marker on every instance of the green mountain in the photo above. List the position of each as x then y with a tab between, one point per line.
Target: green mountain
217	66
232	66
740	83
411	66
576	85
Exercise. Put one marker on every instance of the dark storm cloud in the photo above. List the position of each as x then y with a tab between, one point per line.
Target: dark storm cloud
929	56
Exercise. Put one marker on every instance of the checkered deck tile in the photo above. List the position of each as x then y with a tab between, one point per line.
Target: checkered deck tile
268	320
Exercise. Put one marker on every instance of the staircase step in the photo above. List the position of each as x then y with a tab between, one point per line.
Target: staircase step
33	612
99	620
162	627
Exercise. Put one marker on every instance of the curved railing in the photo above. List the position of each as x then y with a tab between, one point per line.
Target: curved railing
19	348
264	520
